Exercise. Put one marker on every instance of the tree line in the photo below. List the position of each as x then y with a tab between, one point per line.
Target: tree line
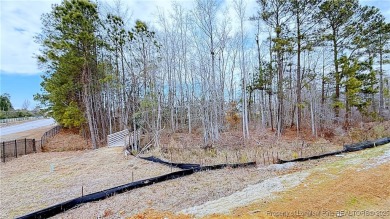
7	110
303	64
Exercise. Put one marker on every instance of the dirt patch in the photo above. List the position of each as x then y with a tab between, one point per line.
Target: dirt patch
335	187
36	181
66	140
262	190
341	189
153	214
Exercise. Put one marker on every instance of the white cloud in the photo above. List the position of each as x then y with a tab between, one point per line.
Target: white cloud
20	22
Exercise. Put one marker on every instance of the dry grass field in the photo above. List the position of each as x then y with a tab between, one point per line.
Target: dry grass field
36	181
355	185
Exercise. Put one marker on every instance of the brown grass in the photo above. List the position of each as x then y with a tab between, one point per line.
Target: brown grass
36	181
352	191
153	214
264	146
327	192
341	188
39	187
182	193
66	140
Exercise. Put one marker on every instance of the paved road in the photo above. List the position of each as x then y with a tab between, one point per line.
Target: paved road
26	126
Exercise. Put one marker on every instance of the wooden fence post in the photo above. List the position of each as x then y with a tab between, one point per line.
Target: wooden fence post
34	147
25	146
16	149
3	152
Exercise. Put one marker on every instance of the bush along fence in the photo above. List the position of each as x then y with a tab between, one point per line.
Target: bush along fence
15	148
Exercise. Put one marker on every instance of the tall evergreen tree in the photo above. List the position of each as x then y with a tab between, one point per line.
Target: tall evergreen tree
69	41
339	18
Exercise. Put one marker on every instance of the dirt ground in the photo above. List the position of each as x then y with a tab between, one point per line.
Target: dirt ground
352	186
340	189
67	140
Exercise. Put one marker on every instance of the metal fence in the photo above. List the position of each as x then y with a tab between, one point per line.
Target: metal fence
47	135
15	148
123	138
117	139
19	119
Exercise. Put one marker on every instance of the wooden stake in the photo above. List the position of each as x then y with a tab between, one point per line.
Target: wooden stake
264	159
3	152
171	161
268	158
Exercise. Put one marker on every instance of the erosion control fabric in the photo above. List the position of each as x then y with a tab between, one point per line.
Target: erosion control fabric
188	169
366	144
347	148
61	207
184	166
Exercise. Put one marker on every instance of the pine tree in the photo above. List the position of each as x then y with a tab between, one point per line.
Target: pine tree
69	41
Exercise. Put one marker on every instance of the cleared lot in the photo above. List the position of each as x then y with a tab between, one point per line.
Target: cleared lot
36	181
355	181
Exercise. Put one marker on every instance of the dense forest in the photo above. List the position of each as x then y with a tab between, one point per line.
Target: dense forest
296	64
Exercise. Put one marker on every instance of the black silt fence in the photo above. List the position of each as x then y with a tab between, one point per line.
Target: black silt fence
15	148
184	166
188	170
59	208
347	149
366	144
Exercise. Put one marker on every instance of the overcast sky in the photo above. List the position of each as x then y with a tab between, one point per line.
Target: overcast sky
20	22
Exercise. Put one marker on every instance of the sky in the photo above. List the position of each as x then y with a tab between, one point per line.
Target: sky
20	22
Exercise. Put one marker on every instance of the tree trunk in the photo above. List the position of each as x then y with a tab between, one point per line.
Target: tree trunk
337	78
87	104
381	98
299	86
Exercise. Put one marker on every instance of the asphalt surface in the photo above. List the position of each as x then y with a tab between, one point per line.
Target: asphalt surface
26	126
